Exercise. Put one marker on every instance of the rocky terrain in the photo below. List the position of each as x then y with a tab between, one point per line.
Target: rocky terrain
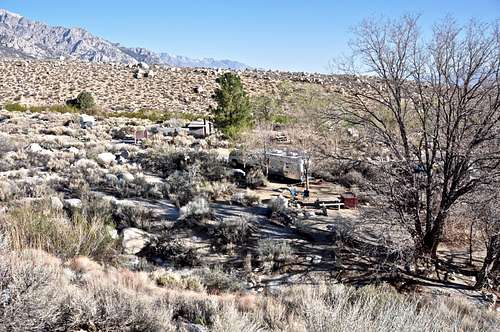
115	88
21	37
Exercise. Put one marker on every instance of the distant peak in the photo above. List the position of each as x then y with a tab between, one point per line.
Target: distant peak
6	12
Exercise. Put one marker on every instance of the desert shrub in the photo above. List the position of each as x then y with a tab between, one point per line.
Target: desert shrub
37	226
246	198
85	101
173	251
175	281
278	204
182	186
350	179
231	319
196	209
274	250
234	230
216	280
195	309
126	215
217	189
255	178
7	144
8	190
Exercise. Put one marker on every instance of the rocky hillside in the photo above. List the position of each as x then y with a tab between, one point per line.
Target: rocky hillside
21	37
37	82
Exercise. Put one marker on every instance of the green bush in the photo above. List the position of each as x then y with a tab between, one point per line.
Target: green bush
84	101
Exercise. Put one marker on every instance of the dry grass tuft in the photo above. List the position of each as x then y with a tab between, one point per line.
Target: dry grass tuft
35	225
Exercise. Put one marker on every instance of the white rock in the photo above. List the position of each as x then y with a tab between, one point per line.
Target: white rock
316	259
34	148
73	203
134	240
73	150
87	121
106	158
143	65
56	203
126	176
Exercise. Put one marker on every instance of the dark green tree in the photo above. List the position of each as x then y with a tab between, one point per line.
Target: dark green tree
85	100
233	112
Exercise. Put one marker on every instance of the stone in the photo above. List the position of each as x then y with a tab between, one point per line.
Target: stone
106	158
143	65
72	203
34	148
126	176
134	240
86	121
56	203
199	89
73	150
111	178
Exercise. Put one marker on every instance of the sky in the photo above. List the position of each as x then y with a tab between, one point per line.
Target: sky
276	34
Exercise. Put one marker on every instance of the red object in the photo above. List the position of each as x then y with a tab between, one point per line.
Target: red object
141	135
350	200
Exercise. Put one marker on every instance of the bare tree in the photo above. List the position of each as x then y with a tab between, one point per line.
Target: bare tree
433	107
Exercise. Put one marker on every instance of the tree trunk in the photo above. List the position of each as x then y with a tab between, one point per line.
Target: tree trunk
491	262
433	236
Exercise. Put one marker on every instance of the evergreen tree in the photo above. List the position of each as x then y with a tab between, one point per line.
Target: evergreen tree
233	112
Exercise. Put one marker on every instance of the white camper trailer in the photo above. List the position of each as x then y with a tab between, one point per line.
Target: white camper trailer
289	165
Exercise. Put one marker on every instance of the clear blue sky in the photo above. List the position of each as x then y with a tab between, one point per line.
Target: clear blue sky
279	34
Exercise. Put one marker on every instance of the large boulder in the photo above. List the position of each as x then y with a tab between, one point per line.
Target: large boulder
86	121
134	240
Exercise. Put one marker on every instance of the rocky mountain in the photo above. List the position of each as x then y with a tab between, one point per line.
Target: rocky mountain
21	37
182	61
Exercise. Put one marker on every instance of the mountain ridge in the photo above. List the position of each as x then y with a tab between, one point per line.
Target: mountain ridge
21	37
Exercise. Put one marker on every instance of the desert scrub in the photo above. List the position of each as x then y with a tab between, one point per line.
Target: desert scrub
8	190
37	226
274	250
42	294
175	281
246	198
234	230
278	204
216	280
255	178
197	209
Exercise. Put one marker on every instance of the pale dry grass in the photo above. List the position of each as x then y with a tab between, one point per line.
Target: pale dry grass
37	226
39	294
